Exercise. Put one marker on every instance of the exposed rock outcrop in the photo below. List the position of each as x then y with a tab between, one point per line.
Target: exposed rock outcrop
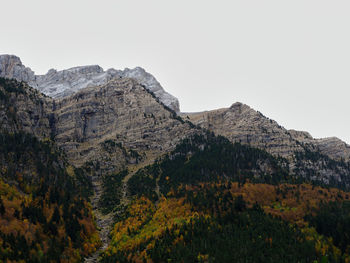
11	67
120	122
115	123
58	84
333	147
108	126
152	85
240	123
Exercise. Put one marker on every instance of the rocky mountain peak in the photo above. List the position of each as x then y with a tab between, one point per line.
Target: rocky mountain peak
11	67
59	84
241	123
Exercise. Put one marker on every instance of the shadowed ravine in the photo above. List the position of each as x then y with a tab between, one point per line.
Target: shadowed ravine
104	222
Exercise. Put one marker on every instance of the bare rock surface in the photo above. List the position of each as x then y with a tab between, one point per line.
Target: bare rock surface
58	84
333	147
240	123
11	67
116	124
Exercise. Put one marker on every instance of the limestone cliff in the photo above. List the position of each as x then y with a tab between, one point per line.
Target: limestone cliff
58	84
108	126
115	122
11	67
121	122
240	123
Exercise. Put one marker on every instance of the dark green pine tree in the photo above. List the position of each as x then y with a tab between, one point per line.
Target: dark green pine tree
2	207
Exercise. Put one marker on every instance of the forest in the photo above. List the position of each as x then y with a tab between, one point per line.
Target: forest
229	222
44	211
213	201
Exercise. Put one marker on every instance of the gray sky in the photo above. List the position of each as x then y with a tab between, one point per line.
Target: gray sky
288	59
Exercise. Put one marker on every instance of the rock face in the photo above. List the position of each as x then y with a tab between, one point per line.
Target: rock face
152	85
114	122
58	84
240	123
109	126
124	119
333	147
11	67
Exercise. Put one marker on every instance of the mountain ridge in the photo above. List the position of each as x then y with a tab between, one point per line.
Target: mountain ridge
241	123
120	113
63	83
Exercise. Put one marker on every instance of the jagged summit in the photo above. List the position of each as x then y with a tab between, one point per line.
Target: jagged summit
11	67
58	84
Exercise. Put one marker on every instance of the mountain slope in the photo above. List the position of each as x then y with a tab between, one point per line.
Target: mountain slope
114	124
24	109
213	201
45	214
101	129
110	126
240	123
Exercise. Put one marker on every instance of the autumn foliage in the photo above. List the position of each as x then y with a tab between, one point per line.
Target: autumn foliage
44	211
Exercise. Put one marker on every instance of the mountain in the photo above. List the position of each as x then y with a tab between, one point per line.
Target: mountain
101	130
121	122
157	185
114	122
58	84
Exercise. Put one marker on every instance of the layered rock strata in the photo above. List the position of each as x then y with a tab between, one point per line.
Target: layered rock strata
108	126
120	118
240	123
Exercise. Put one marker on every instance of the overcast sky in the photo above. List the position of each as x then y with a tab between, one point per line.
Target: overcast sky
288	59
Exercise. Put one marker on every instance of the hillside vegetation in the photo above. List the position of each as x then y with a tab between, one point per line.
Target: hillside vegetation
44	210
213	201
